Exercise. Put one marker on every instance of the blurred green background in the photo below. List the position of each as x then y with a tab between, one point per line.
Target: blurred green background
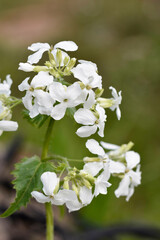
123	38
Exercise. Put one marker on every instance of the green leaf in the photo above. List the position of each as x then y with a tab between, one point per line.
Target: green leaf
37	121
27	175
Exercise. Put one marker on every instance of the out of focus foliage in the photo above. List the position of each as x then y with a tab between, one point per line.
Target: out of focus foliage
123	38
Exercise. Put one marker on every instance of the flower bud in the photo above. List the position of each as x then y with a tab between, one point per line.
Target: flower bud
59	57
71	63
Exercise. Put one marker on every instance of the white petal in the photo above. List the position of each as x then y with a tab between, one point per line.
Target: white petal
116	167
109	146
43	98
101	129
50	181
37	46
8	125
64	196
114	92
135	176
73	205
90	100
123	188
94	147
118	113
85	195
26	67
35	57
58	111
24	85
42	79
89	62
84	116
93	168
86	131
132	159
57	91
130	193
67	45
40	197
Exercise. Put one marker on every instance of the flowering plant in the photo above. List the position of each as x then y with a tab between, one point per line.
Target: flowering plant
49	95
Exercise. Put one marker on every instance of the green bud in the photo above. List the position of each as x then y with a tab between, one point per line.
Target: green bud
51	57
66	60
66	71
71	63
99	92
104	102
59	57
86	183
66	185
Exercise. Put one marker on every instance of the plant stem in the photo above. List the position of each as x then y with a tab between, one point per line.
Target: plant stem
47	139
49	222
48	206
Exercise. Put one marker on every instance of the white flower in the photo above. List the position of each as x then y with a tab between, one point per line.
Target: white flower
50	188
91	121
101	183
6	85
40	48
67	97
93	168
8	126
37	100
117	98
131	178
86	73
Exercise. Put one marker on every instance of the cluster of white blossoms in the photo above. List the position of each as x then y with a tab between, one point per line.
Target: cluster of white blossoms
79	187
6	103
49	94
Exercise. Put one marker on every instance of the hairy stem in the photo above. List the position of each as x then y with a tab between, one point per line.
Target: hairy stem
47	139
48	206
49	222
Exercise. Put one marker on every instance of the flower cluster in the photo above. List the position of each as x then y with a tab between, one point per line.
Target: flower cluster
6	103
79	187
49	94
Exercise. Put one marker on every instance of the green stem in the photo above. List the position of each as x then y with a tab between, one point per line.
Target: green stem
49	222
47	139
48	206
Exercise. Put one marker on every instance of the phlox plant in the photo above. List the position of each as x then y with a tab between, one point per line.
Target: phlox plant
49	96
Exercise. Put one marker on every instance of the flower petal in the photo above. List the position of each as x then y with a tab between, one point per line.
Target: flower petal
93	168
116	167
132	159
84	116
57	91
67	45
42	79
94	147
37	46
64	196
50	181
24	85
86	131
109	146
123	188
40	197
58	111
85	195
